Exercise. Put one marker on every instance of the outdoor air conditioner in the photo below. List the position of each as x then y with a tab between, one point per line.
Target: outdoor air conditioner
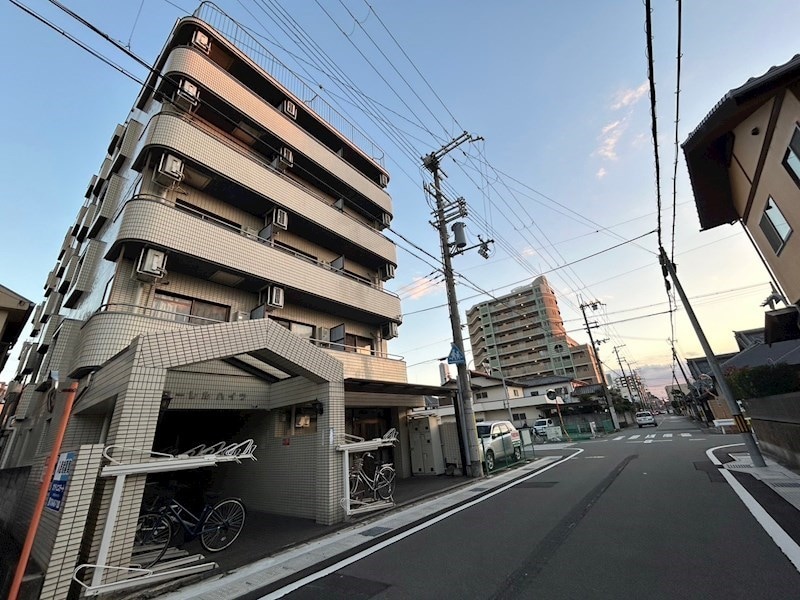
201	40
275	296
387	272
169	171
289	109
383	180
187	96
152	262
250	231
280	218
389	330
240	315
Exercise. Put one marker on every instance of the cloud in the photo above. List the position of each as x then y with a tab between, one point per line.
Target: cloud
529	251
601	172
421	287
629	97
609	139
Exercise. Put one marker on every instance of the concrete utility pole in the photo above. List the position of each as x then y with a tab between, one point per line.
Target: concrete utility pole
612	412
627	382
722	384
444	213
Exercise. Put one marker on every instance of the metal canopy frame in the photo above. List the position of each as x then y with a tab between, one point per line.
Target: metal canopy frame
354	444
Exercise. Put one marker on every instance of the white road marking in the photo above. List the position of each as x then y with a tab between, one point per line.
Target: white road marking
651	436
782	539
280	593
594	457
619	437
633	437
686	435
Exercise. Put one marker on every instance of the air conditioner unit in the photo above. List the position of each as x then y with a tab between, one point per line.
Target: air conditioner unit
152	263
275	296
201	40
240	315
280	218
169	171
389	330
383	180
387	272
289	109
386	219
187	96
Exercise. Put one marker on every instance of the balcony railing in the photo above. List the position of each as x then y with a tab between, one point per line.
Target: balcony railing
188	319
266	242
239	37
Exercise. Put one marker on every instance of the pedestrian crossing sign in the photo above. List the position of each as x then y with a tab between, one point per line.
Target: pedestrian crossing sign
456	357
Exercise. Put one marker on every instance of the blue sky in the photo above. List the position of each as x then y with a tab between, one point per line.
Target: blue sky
557	90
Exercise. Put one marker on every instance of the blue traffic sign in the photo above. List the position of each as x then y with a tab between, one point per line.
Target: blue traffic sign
456	357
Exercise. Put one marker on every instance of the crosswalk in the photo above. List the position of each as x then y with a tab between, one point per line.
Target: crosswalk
649	438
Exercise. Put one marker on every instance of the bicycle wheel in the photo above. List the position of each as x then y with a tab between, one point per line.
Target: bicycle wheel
153	534
223	525
384	483
356	486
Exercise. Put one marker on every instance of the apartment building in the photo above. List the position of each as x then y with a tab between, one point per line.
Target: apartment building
630	387
223	281
744	165
523	334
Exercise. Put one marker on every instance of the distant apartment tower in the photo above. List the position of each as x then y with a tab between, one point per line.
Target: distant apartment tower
223	280
523	333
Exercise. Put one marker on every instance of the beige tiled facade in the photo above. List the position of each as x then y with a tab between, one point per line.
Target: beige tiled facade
522	334
202	349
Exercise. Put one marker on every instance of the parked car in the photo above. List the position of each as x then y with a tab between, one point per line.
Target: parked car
498	439
645	417
541	425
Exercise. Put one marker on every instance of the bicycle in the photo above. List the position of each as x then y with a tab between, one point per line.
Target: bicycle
381	483
217	526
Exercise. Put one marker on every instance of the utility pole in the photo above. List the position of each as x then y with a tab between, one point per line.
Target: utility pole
612	412
627	382
445	212
685	378
722	384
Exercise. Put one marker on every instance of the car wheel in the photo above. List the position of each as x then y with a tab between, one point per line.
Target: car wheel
655	424
517	453
489	460
640	426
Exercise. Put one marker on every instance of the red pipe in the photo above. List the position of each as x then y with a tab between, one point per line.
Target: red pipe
39	506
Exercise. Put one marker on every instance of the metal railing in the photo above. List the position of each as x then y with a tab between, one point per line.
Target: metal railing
244	41
264	241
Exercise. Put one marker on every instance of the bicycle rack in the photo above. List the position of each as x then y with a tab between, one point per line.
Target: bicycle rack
154	462
354	444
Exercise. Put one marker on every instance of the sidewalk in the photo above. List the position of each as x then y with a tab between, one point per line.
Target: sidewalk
782	481
294	563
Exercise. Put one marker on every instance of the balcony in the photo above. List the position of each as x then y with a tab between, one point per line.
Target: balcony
202	246
258	186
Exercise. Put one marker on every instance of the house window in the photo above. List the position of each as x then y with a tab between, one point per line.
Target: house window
188	310
481	395
299	329
519	417
774	226
792	159
357	344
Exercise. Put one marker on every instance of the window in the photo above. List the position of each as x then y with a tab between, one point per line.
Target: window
481	395
299	329
357	344
519	417
188	310
792	159
774	226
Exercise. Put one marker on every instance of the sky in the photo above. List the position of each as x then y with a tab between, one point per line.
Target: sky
565	168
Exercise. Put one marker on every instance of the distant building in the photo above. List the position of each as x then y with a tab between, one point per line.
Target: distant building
522	333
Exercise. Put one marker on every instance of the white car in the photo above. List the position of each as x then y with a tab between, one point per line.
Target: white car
645	417
498	439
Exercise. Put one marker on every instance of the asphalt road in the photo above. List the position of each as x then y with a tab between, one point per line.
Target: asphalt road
626	518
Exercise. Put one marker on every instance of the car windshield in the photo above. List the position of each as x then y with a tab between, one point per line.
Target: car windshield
484	430
643	414
540	422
